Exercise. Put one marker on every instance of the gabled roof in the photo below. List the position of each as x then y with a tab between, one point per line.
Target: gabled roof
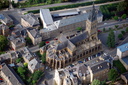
31	19
34	64
34	33
79	37
71	20
11	74
126	75
45	13
99	67
123	47
5	18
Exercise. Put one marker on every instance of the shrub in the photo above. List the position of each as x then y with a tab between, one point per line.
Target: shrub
123	32
120	36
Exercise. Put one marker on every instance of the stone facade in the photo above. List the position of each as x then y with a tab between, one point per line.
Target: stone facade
68	49
18	43
84	73
34	36
4	30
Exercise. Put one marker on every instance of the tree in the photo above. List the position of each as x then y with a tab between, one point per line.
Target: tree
112	75
115	17
3	42
18	60
116	26
79	28
95	82
121	7
28	41
111	39
104	29
126	29
43	58
36	76
123	32
120	36
21	70
124	16
42	44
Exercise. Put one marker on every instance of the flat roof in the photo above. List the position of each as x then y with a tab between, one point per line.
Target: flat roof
123	47
125	59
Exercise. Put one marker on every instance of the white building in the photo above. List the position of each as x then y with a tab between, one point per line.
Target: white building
46	17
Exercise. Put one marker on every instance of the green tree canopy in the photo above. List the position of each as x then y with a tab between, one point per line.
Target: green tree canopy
116	26
3	42
115	17
36	76
120	36
95	82
21	70
112	75
28	41
121	7
79	28
111	39
42	44
126	29
43	57
123	32
124	16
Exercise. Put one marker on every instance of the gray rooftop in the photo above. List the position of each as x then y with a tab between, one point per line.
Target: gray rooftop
79	37
100	66
4	17
46	15
126	75
18	41
125	59
34	64
123	47
12	76
31	19
66	14
34	33
71	20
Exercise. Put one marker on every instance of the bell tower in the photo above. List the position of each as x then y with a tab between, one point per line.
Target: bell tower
91	23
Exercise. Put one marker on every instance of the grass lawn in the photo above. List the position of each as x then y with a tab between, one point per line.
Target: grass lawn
119	66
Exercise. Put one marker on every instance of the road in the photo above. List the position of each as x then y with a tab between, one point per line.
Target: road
111	23
60	4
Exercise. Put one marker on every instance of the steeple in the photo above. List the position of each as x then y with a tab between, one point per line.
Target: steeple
92	15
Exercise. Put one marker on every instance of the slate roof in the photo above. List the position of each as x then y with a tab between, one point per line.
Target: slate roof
71	20
123	47
31	19
18	41
34	64
126	75
5	18
45	13
34	33
93	14
101	66
125	59
11	74
79	37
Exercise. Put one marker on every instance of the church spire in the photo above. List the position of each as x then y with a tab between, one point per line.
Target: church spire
92	15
